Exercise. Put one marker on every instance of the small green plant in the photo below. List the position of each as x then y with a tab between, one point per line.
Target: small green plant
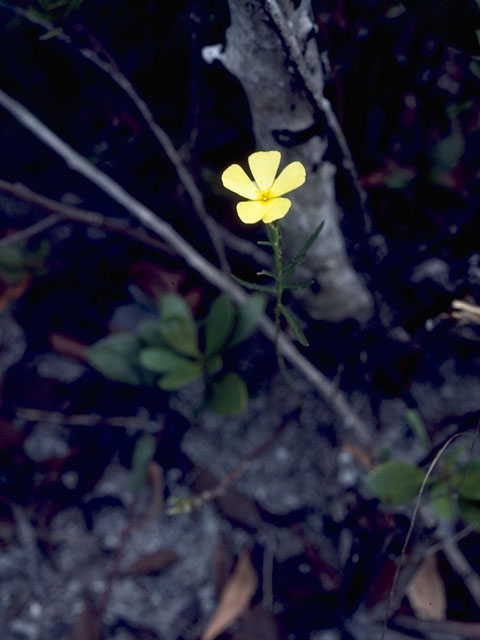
18	261
175	350
453	490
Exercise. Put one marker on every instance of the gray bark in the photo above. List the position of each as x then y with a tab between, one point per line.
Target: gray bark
256	54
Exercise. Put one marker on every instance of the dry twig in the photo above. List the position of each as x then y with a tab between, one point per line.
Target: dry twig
192	257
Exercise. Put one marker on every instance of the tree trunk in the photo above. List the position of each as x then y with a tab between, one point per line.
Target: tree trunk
283	113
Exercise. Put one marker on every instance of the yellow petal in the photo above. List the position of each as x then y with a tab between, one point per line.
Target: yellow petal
251	212
276	209
235	179
264	167
291	177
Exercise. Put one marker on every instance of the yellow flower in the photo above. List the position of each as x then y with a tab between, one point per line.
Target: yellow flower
264	201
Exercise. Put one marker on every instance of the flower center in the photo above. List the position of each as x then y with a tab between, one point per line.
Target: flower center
264	196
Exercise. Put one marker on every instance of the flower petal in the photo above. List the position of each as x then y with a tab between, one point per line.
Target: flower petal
275	209
264	167
291	177
235	179
251	212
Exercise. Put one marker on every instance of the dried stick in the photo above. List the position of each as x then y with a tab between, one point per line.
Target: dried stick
192	257
28	232
159	133
61	211
315	90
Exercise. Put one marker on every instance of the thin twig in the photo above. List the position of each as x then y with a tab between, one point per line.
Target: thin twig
315	92
412	524
28	232
61	211
159	133
192	257
137	423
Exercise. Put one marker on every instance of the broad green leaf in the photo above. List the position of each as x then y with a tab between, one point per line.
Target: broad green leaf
417	426
143	453
116	357
219	324
255	287
395	482
229	395
294	325
290	266
442	501
177	326
248	317
149	332
180	377
162	360
467	481
470	512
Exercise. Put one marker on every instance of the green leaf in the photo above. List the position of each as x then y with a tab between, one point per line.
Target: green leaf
177	326
290	266
248	316
219	324
294	325
299	285
470	512
265	243
53	33
447	152
255	287
162	360
442	501
467	481
214	364
229	395
416	424
116	357
143	453
395	482
149	332
180	377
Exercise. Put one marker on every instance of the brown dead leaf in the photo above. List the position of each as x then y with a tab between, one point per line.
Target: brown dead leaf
10	293
426	592
361	455
87	625
234	599
151	563
68	346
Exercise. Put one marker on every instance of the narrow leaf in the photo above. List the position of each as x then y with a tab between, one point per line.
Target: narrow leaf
290	267
395	482
265	243
299	285
294	325
234	599
219	324
266	272
255	287
416	424
229	396
248	316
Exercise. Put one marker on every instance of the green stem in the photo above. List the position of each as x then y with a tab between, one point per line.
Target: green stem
278	267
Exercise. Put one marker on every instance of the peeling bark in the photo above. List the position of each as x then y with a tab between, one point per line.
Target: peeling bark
285	118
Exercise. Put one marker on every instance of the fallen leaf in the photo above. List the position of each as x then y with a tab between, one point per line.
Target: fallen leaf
68	346
426	592
151	563
87	625
234	599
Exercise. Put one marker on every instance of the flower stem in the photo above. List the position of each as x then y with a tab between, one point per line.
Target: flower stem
276	240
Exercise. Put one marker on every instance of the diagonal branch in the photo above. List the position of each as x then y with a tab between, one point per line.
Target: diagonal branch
159	133
192	257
